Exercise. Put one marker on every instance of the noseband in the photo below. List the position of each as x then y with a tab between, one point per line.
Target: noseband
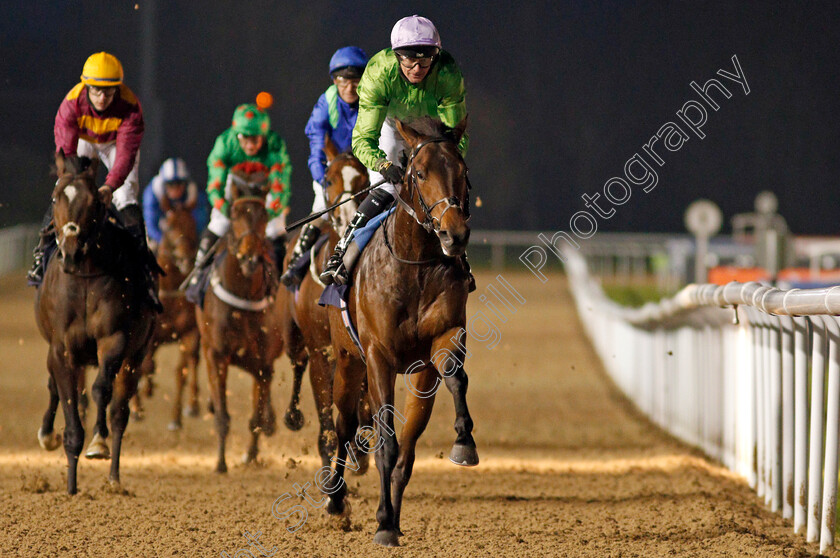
429	222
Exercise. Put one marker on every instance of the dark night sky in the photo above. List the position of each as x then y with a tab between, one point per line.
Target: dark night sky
560	95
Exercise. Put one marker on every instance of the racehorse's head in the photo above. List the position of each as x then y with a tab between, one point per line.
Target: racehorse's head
78	209
248	219
248	182
436	184
179	240
345	175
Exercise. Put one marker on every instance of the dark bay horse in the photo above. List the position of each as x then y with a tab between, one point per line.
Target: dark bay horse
408	301
239	323
91	311
176	255
306	326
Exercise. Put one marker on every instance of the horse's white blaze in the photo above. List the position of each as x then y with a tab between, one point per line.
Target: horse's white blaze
70	229
348	173
70	192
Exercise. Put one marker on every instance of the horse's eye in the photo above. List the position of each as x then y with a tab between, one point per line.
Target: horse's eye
420	175
329	183
52	201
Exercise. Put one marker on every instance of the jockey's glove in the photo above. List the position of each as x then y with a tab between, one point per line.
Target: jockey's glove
391	172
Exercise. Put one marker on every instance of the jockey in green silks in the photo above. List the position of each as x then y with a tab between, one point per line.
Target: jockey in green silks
413	79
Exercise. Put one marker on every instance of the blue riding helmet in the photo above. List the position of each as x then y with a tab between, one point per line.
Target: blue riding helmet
349	56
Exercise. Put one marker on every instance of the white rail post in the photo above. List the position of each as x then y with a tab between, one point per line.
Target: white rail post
800	475
815	454
758	370
775	401
832	419
787	415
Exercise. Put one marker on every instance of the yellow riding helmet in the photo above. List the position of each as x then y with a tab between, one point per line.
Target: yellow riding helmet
102	70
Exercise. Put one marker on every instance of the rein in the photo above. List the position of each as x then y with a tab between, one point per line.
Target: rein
429	223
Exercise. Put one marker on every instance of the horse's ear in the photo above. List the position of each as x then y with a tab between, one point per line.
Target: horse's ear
60	161
93	167
192	197
330	150
458	131
408	133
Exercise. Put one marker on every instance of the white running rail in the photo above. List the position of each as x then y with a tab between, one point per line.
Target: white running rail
728	369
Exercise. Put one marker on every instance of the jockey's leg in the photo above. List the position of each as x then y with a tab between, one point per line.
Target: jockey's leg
132	219
306	240
40	254
275	231
335	270
216	228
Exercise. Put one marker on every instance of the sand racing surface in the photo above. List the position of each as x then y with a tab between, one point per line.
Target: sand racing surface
568	468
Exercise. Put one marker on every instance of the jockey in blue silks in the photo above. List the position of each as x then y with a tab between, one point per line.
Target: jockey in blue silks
172	187
334	115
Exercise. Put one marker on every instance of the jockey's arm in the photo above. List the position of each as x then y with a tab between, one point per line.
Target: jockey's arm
452	103
66	129
217	171
373	108
279	177
129	136
317	128
152	213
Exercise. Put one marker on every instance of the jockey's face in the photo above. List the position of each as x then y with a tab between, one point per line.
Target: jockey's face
101	97
175	189
415	70
251	145
347	89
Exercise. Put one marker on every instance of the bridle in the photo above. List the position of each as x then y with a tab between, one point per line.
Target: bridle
347	191
430	222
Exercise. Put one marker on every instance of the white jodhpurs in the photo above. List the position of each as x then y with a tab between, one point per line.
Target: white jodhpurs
220	223
392	143
128	192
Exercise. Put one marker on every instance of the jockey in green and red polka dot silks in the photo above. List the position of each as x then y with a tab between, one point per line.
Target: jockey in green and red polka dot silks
272	159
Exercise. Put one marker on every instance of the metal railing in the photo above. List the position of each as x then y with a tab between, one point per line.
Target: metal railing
16	244
728	369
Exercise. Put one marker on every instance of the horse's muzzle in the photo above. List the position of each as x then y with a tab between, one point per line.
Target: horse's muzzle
454	244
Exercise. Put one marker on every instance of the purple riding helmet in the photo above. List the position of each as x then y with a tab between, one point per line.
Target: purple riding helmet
414	31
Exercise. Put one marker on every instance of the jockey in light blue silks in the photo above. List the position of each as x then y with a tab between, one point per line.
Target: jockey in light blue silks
172	186
334	115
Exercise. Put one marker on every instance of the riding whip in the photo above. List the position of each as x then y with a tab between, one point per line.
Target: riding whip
314	216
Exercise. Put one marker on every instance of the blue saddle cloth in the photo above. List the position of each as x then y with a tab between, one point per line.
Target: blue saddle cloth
299	266
334	294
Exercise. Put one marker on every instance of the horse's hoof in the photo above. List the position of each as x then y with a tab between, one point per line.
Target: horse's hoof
98	448
49	441
249	457
210	407
221	468
465	456
293	419
338	509
364	464
191	411
387	538
174	426
137	416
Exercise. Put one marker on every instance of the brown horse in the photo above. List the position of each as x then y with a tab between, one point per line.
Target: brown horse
306	327
91	312
408	301
239	324
175	255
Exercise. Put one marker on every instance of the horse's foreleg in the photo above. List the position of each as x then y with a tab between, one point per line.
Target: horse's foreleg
418	410
190	347
217	376
381	389
110	354
263	420
449	360
365	421
348	378
83	398
295	350
180	373
321	378
74	433
125	386
146	370
47	438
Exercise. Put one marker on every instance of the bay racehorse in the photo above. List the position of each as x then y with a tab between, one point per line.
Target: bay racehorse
92	310
408	301
176	255
239	323
306	327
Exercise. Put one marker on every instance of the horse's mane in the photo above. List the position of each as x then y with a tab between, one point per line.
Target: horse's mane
431	128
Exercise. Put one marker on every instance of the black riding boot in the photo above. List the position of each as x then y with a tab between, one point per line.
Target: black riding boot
335	271
279	247
35	276
208	240
132	219
308	236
